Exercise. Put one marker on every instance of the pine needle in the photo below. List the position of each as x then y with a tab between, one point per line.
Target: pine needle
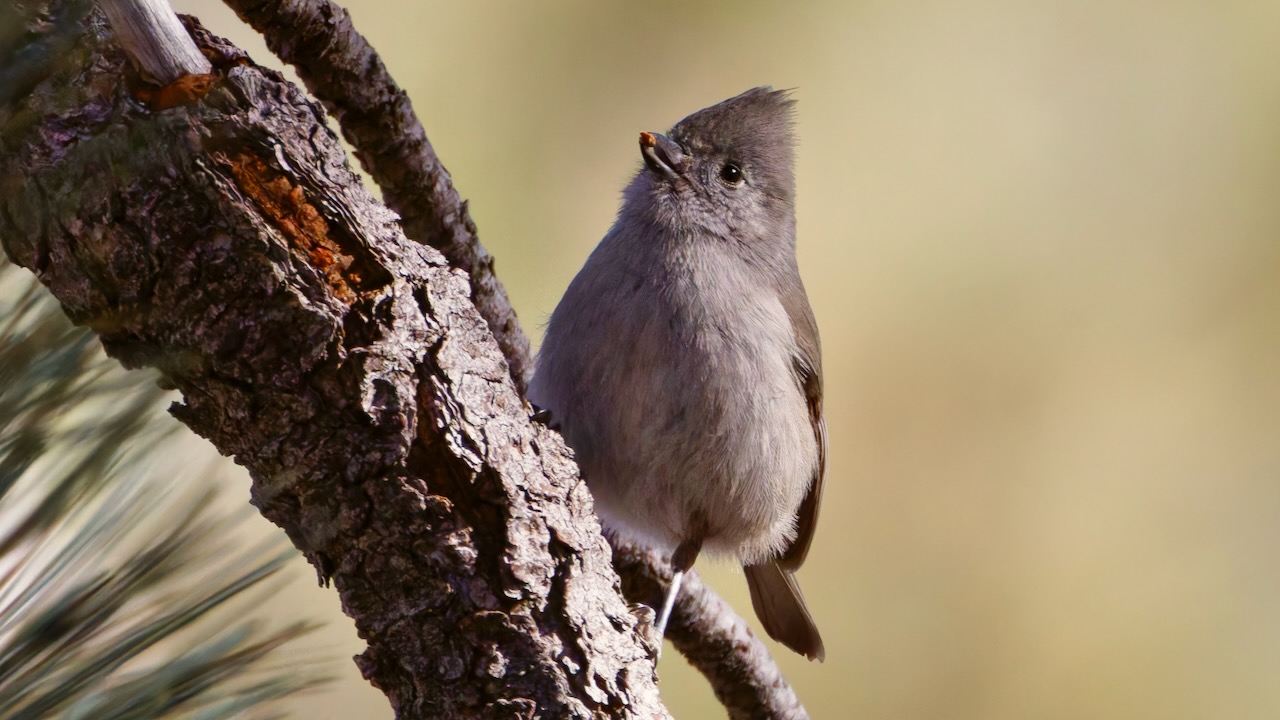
118	590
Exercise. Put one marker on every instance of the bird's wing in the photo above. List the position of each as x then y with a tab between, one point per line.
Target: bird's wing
808	368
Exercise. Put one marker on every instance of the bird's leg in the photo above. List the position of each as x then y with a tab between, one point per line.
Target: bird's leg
669	602
681	560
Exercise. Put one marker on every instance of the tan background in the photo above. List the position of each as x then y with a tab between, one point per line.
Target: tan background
1043	243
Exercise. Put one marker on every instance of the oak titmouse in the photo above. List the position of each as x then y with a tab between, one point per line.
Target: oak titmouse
683	365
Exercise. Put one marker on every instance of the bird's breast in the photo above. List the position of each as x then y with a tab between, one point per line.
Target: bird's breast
714	426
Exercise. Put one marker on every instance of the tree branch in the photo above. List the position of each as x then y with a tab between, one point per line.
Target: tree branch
152	36
373	352
226	243
339	66
712	637
347	75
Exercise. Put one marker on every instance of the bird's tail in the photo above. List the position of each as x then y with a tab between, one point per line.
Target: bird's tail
776	597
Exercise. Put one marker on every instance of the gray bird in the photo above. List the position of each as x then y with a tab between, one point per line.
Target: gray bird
683	364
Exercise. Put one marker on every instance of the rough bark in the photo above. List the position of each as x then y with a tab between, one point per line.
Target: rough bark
211	229
341	69
225	242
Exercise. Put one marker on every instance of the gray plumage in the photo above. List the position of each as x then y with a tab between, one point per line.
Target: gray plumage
683	363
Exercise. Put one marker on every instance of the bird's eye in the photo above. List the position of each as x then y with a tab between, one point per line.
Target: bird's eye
731	174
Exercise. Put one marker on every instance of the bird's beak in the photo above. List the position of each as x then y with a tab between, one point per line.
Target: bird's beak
662	154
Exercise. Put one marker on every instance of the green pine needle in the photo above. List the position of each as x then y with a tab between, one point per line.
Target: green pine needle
117	589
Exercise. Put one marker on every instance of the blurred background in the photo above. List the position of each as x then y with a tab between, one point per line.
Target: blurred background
1042	240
